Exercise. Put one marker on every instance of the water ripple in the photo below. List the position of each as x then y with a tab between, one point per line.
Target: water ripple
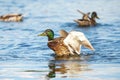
24	55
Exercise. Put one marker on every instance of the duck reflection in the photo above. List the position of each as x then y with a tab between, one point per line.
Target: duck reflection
53	69
67	66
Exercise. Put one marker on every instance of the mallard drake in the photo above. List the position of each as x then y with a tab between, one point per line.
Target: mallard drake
86	20
11	17
68	43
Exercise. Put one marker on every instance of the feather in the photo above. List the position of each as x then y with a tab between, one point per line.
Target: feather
75	40
63	33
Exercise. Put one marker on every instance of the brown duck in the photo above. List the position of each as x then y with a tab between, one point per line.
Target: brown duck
86	20
11	18
68	43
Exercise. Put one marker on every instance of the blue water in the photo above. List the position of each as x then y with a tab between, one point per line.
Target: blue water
25	56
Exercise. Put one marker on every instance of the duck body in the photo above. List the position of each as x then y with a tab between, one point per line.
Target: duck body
58	46
86	20
83	22
68	43
11	18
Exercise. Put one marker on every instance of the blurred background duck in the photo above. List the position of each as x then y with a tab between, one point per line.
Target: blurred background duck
86	20
68	43
11	17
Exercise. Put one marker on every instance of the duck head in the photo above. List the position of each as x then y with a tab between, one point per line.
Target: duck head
94	15
49	33
20	14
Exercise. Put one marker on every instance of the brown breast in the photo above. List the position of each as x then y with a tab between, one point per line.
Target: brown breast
58	47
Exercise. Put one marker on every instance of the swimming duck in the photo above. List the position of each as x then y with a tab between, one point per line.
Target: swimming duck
68	43
11	17
86	20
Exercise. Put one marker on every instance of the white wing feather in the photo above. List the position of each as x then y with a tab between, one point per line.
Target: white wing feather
75	40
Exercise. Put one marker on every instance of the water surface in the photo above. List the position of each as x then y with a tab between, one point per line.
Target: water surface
25	56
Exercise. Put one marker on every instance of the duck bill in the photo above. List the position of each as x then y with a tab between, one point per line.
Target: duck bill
97	17
42	34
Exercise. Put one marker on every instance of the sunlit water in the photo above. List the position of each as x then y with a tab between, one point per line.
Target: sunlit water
25	56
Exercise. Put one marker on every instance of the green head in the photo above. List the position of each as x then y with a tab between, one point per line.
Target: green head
49	33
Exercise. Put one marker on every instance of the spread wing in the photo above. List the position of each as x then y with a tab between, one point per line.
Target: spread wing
63	33
87	14
75	40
